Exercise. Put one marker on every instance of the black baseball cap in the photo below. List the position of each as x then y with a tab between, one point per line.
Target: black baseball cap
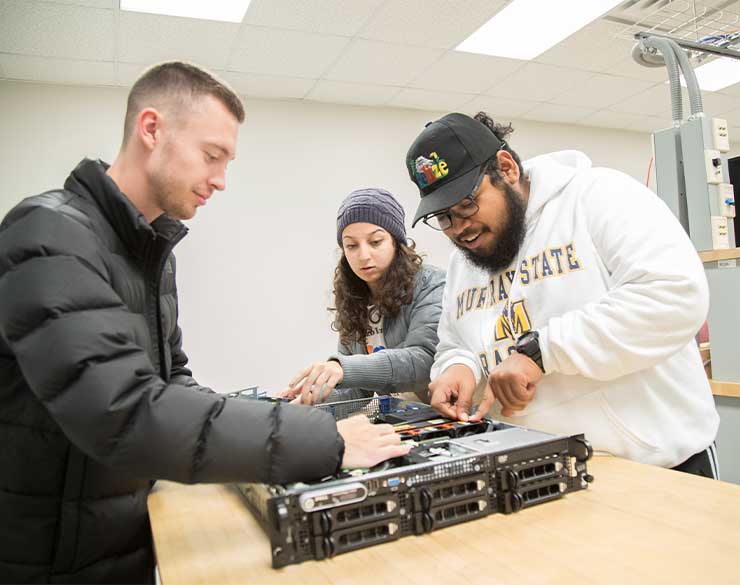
445	159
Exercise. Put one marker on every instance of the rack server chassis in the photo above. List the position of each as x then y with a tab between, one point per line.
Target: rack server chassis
454	473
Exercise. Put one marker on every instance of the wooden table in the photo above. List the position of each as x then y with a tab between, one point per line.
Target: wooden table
635	524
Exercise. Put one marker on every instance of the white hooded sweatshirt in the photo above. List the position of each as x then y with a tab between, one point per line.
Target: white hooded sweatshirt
613	285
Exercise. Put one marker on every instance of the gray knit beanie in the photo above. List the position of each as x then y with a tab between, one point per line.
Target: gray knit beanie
372	205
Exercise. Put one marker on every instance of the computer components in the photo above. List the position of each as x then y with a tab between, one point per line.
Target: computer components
456	472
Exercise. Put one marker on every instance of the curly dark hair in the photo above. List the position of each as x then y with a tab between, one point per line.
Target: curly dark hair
501	131
352	295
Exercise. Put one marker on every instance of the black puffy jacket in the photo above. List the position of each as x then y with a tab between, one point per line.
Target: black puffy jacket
95	398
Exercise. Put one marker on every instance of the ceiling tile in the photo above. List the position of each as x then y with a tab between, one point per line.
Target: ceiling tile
368	61
733	90
150	38
610	55
601	91
500	109
719	105
539	82
63	71
298	54
557	113
563	56
597	33
266	86
56	30
339	17
649	124
654	101
628	67
109	4
430	23
593	48
422	99
733	119
627	122
609	119
128	73
284	46
465	72
352	93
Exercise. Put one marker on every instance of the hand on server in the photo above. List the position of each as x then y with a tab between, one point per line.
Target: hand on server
314	383
367	444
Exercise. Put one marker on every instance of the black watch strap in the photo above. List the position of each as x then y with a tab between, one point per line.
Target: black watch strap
529	345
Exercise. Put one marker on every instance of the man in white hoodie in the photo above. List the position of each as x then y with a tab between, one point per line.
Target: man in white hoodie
572	299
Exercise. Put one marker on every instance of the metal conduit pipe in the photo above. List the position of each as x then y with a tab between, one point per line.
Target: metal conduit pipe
671	63
697	108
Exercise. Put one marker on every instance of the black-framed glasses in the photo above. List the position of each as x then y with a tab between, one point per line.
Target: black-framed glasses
468	207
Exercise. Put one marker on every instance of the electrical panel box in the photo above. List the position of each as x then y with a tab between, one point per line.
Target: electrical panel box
713	163
703	170
720	135
669	175
726	200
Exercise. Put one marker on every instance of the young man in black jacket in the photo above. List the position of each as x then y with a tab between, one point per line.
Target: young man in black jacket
96	400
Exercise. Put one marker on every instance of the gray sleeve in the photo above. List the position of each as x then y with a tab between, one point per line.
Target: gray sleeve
339	394
406	367
346	393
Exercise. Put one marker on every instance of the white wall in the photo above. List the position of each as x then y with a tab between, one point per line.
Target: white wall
255	272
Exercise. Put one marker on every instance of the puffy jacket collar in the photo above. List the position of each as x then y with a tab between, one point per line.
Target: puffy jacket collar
89	179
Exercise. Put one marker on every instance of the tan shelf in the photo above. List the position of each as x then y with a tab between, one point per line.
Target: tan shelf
715	255
725	388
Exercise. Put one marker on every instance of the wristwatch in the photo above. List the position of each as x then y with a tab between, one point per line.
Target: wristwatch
529	344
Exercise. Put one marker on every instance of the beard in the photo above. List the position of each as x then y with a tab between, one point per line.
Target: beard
166	195
167	190
506	248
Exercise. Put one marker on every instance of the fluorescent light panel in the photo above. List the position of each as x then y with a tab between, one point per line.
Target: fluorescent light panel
527	28
223	10
717	74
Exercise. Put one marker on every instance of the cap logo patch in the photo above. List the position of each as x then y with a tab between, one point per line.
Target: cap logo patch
429	170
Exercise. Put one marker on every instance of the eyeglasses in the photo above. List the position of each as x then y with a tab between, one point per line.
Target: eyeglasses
442	220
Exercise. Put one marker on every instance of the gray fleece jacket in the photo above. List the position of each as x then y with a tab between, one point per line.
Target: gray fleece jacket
410	340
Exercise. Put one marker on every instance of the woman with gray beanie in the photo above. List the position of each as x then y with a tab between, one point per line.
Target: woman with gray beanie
387	306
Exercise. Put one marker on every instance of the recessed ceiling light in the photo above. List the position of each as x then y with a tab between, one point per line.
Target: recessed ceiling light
717	74
525	29
223	10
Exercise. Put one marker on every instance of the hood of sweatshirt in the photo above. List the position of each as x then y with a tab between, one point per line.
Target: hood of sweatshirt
549	174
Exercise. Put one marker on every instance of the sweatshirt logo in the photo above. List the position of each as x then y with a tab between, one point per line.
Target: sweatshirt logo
512	323
429	170
551	262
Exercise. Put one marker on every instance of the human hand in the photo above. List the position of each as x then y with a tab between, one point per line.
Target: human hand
514	382
452	394
366	444
314	383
